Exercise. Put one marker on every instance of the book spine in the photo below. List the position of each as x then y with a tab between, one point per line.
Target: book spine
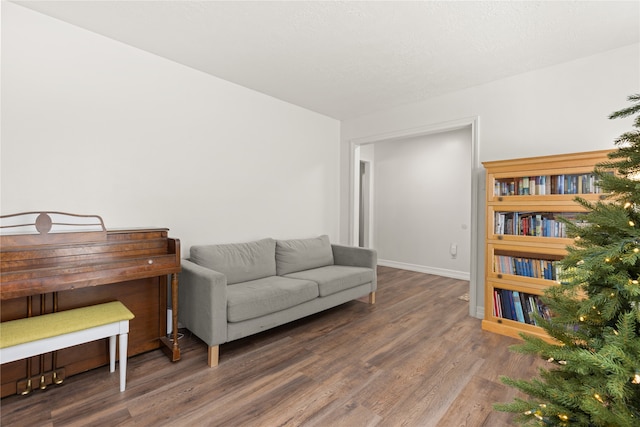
515	297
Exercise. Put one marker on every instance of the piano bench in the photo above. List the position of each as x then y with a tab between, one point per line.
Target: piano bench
31	336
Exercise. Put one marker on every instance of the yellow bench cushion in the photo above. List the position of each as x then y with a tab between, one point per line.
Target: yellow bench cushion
35	328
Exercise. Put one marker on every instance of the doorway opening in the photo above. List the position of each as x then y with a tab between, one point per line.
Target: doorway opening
356	199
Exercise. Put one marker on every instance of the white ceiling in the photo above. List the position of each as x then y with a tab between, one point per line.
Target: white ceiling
349	58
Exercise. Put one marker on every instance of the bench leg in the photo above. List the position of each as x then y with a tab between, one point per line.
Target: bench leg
124	342
372	298
112	353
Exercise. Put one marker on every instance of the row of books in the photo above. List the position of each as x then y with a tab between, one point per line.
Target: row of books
547	184
518	306
532	224
529	267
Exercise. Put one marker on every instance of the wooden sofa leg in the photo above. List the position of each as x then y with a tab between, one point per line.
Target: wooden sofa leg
212	359
372	298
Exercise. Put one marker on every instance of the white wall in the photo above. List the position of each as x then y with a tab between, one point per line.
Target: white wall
554	110
93	126
423	202
559	109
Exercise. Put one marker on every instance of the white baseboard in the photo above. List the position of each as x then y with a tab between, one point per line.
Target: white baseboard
461	275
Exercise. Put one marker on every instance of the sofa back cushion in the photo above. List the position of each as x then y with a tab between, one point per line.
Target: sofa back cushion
239	262
302	254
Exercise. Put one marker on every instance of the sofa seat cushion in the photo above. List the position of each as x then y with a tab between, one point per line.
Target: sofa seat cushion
239	262
268	295
335	278
302	254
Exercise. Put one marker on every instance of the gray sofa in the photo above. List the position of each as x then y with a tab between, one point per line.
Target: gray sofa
231	291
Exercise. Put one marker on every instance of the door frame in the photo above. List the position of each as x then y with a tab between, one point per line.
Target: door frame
365	185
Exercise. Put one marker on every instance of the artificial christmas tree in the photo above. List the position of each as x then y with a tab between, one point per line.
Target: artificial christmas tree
593	378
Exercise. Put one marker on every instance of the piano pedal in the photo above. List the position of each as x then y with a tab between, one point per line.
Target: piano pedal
43	383
27	389
56	379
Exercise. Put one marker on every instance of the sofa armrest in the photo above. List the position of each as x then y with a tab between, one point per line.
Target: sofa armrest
356	257
202	302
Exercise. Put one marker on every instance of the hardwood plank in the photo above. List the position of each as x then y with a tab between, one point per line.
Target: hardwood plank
472	405
415	358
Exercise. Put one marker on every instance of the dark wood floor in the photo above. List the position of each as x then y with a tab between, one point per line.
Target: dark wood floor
415	358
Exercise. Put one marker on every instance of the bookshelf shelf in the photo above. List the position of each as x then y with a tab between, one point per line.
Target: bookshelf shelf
524	240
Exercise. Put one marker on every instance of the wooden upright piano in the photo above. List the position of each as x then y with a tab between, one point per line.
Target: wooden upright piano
53	261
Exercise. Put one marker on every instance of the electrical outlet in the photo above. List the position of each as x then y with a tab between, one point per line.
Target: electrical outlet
453	250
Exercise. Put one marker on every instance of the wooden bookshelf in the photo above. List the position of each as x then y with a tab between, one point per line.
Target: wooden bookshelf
524	239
